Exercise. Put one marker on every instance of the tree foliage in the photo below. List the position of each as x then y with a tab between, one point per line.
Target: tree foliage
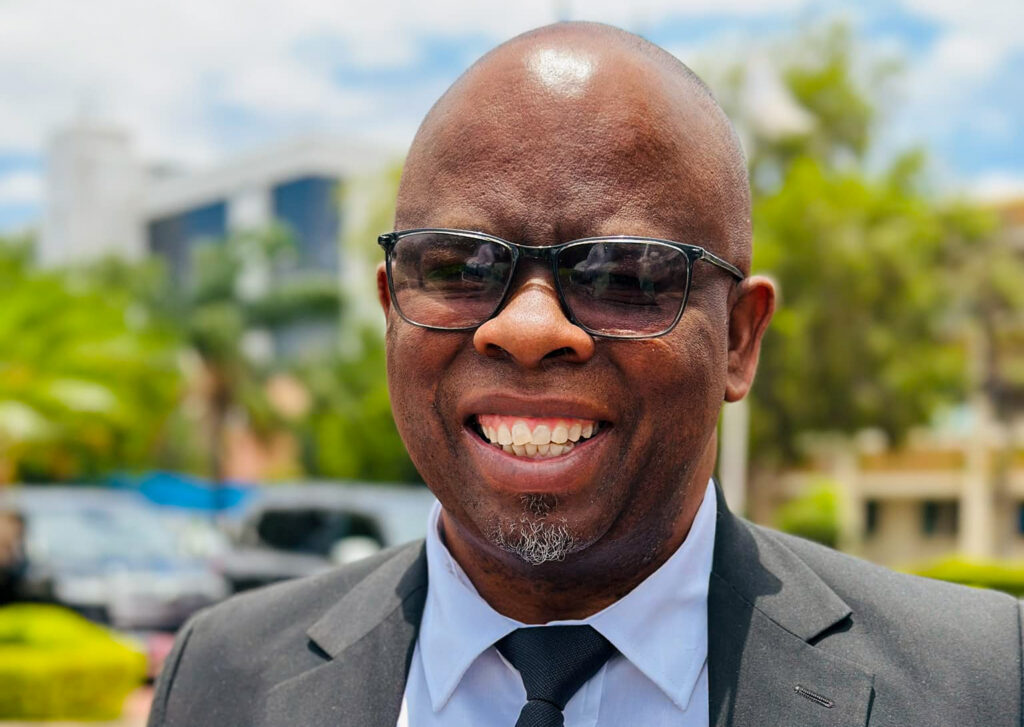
87	377
862	334
240	289
350	432
813	515
868	332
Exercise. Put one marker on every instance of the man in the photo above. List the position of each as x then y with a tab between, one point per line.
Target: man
558	386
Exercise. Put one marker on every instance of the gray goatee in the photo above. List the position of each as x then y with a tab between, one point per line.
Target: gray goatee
536	537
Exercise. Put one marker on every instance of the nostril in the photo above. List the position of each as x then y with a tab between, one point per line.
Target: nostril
564	352
495	351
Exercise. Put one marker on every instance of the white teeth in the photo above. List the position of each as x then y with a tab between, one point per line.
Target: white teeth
521	433
541	442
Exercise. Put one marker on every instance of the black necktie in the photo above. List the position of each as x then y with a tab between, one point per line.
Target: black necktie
554	662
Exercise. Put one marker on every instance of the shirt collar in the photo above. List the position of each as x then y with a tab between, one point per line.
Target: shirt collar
458	625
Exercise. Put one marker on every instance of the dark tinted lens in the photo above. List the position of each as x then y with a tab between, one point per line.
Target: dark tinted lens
447	280
624	288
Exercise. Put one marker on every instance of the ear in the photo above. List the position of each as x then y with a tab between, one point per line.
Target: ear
752	307
383	292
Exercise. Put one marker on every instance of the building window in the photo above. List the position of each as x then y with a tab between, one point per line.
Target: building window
940	517
309	208
871	512
174	237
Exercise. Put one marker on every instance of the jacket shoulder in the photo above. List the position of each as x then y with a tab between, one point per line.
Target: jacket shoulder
933	647
228	656
862	583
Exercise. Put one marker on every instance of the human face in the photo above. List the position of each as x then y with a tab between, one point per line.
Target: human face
525	170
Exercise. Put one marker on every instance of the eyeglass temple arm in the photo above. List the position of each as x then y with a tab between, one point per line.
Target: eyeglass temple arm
723	264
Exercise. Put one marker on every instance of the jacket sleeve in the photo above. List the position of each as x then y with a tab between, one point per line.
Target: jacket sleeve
165	682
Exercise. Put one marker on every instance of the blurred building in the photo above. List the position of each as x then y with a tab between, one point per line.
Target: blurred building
954	488
95	196
297	184
102	199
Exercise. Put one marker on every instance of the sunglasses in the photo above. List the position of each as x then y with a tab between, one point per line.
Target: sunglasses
615	287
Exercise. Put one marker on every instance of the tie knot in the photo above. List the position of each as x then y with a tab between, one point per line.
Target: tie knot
555	661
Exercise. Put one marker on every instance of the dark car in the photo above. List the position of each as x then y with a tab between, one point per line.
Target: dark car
109	555
286	531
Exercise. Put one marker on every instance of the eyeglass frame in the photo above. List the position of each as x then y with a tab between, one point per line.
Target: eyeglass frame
693	253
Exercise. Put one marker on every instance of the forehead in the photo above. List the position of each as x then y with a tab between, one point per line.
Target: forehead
559	143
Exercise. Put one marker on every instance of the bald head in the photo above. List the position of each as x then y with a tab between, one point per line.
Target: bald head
580	129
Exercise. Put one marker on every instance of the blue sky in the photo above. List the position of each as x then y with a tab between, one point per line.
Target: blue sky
197	81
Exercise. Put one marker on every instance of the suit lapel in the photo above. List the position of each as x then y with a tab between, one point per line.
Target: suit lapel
367	640
766	609
766	612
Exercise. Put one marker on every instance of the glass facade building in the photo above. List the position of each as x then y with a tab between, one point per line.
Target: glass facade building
308	207
174	237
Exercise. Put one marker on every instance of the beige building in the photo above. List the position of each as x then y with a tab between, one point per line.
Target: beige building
936	497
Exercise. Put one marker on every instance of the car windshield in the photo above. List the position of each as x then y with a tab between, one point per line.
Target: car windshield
91	534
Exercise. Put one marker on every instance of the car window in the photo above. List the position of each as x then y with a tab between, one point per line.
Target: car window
313	530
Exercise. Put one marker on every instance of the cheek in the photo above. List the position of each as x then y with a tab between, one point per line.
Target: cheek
416	362
679	396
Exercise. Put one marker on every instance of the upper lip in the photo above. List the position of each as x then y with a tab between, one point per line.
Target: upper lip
507	404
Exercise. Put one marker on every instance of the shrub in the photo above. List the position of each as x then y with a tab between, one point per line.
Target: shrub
1006	577
55	664
813	515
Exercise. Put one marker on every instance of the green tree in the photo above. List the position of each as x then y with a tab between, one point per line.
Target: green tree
350	432
240	290
862	335
88	378
867	332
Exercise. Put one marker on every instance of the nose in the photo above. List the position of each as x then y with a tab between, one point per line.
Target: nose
531	328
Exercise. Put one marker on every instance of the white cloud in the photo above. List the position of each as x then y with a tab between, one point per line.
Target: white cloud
976	38
163	66
998	186
21	188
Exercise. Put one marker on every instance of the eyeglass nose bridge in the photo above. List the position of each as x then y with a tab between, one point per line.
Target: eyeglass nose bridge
543	254
531	252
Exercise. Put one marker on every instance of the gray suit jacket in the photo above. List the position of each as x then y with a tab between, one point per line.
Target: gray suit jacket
799	636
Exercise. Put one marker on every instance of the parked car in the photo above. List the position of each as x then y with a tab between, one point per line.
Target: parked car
109	555
287	531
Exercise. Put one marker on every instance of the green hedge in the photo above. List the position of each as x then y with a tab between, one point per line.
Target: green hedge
54	664
813	515
1000	576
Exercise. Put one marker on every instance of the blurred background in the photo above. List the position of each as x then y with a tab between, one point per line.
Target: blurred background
192	388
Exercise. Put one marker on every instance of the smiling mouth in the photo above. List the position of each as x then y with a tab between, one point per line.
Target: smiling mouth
535	437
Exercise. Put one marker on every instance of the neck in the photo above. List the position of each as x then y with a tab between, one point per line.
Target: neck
585	582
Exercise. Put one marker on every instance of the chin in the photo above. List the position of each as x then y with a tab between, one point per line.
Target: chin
538	533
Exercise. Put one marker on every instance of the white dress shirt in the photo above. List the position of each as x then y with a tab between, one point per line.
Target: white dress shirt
660	677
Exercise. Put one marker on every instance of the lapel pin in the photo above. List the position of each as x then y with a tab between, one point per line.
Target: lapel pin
816	698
